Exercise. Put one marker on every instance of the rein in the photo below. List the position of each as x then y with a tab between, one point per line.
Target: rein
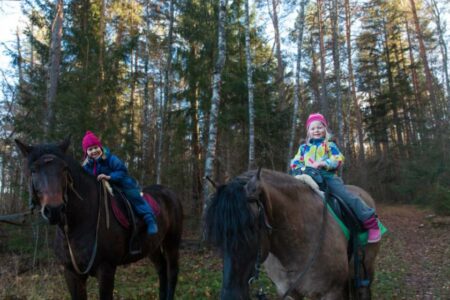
69	183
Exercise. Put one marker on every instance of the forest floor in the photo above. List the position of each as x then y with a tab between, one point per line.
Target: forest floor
414	263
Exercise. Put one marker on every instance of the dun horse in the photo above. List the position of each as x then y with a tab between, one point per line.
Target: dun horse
89	240
275	220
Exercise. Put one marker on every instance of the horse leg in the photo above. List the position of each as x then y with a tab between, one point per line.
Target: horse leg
171	248
76	284
160	263
105	276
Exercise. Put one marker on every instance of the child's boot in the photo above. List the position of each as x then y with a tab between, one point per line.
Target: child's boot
374	233
152	226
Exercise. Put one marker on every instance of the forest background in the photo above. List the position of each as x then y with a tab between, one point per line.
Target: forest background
181	90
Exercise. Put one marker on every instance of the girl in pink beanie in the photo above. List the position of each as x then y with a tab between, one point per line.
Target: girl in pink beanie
319	152
104	165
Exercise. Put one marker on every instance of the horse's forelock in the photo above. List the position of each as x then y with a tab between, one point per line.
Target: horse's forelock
229	221
54	149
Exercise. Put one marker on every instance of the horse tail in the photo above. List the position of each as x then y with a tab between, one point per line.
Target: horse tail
229	223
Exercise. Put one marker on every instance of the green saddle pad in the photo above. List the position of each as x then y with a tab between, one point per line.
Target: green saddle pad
361	236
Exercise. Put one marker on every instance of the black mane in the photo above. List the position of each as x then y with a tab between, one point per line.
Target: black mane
229	223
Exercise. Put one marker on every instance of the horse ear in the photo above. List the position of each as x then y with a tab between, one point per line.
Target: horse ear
64	145
258	173
253	186
25	149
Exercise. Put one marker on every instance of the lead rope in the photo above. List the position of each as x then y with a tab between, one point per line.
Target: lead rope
66	234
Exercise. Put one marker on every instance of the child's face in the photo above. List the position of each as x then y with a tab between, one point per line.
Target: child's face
317	130
94	152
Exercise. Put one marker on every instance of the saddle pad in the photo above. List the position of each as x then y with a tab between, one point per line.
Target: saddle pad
362	236
121	216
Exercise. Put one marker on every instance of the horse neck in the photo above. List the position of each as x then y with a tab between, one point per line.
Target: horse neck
83	200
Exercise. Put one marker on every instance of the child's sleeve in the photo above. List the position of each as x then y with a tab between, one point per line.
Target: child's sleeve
335	158
298	160
118	169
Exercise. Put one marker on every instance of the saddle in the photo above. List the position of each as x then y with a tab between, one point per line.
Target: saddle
125	215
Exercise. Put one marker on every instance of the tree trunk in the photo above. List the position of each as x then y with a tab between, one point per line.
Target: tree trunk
443	47
419	116
54	65
423	56
314	77
167	93
392	91
352	84
300	28
323	95
337	70
250	87
196	149
215	100
280	65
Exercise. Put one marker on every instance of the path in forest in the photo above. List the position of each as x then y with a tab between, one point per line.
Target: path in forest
420	243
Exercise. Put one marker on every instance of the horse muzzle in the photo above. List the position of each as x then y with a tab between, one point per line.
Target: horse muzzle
53	213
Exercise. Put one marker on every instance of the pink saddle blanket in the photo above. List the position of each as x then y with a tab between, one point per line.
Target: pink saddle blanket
121	216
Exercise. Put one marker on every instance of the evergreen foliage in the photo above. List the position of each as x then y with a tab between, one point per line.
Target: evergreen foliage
112	81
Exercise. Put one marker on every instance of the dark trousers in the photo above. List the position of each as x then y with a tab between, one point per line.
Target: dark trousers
359	207
141	207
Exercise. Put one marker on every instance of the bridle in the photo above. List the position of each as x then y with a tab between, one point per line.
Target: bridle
263	223
69	186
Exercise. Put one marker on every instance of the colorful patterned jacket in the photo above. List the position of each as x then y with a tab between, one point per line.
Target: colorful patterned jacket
319	150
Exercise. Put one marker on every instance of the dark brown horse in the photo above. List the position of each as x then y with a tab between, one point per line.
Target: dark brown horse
89	240
275	220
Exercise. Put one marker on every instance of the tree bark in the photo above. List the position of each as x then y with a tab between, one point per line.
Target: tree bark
300	28
423	56
250	88
443	48
392	91
215	100
352	84
280	65
54	65
323	94
419	116
337	70
167	93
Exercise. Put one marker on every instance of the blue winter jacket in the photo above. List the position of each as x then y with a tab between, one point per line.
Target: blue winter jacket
111	165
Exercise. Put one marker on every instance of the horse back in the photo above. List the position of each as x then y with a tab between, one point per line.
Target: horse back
170	206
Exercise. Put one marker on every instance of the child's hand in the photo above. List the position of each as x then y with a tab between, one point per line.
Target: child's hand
103	176
317	164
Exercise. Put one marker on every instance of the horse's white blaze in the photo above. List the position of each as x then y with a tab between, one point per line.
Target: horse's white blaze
277	273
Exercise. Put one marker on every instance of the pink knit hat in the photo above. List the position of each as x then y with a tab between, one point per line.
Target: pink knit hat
90	140
316	117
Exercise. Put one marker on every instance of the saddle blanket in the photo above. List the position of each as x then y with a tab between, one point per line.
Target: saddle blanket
121	216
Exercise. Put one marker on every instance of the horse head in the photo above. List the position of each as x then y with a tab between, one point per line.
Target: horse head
236	222
48	178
